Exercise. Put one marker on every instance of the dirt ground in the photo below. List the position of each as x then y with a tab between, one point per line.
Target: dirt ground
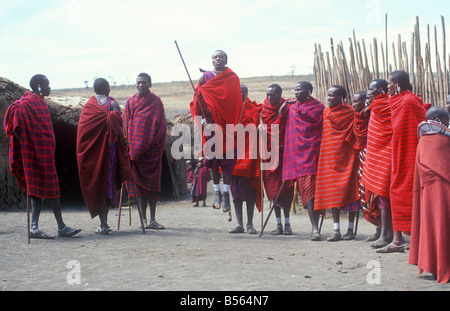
196	253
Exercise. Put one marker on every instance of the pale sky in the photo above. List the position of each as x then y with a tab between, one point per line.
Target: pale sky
71	41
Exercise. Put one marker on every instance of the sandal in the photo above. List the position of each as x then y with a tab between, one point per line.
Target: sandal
348	236
391	248
67	232
278	230
237	229
335	237
102	231
315	236
39	234
251	229
379	244
155	225
287	229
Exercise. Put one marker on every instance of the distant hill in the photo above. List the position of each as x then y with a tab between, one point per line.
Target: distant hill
177	95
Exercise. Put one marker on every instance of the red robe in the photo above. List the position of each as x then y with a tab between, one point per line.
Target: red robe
97	128
430	231
407	112
247	165
32	154
377	165
145	122
337	174
221	96
273	180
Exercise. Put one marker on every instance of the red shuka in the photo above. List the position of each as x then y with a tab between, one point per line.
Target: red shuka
223	99
407	112
337	176
97	128
430	231
246	166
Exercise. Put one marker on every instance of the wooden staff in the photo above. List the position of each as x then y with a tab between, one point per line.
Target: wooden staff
271	209
261	175
28	217
294	199
190	80
138	204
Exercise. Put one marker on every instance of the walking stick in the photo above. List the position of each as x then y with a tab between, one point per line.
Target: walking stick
28	217
357	220
294	199
321	222
120	207
189	76
261	175
271	209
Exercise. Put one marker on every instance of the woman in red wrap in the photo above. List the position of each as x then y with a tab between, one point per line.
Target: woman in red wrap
407	111
430	229
32	154
145	122
103	164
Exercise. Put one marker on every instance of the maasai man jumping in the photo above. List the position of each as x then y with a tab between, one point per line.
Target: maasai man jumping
145	128
32	154
430	248
302	146
218	102
246	177
103	163
273	177
407	111
377	165
337	174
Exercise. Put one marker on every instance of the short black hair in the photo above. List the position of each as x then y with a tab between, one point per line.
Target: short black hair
306	84
341	90
101	86
146	76
276	87
221	51
402	78
381	84
364	93
437	112
36	80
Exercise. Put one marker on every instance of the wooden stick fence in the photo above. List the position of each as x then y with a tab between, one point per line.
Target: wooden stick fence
354	71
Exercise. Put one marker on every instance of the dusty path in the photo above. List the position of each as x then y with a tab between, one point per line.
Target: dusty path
196	252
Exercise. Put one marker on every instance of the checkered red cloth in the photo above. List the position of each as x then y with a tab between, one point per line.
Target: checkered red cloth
273	178
359	134
145	122
337	176
302	140
32	154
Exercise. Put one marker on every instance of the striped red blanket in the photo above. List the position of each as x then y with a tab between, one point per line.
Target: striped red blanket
337	174
407	112
145	125
32	153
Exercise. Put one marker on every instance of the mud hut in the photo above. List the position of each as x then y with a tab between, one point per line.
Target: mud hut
65	114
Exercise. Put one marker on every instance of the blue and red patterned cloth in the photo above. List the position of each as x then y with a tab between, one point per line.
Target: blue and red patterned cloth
32	151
